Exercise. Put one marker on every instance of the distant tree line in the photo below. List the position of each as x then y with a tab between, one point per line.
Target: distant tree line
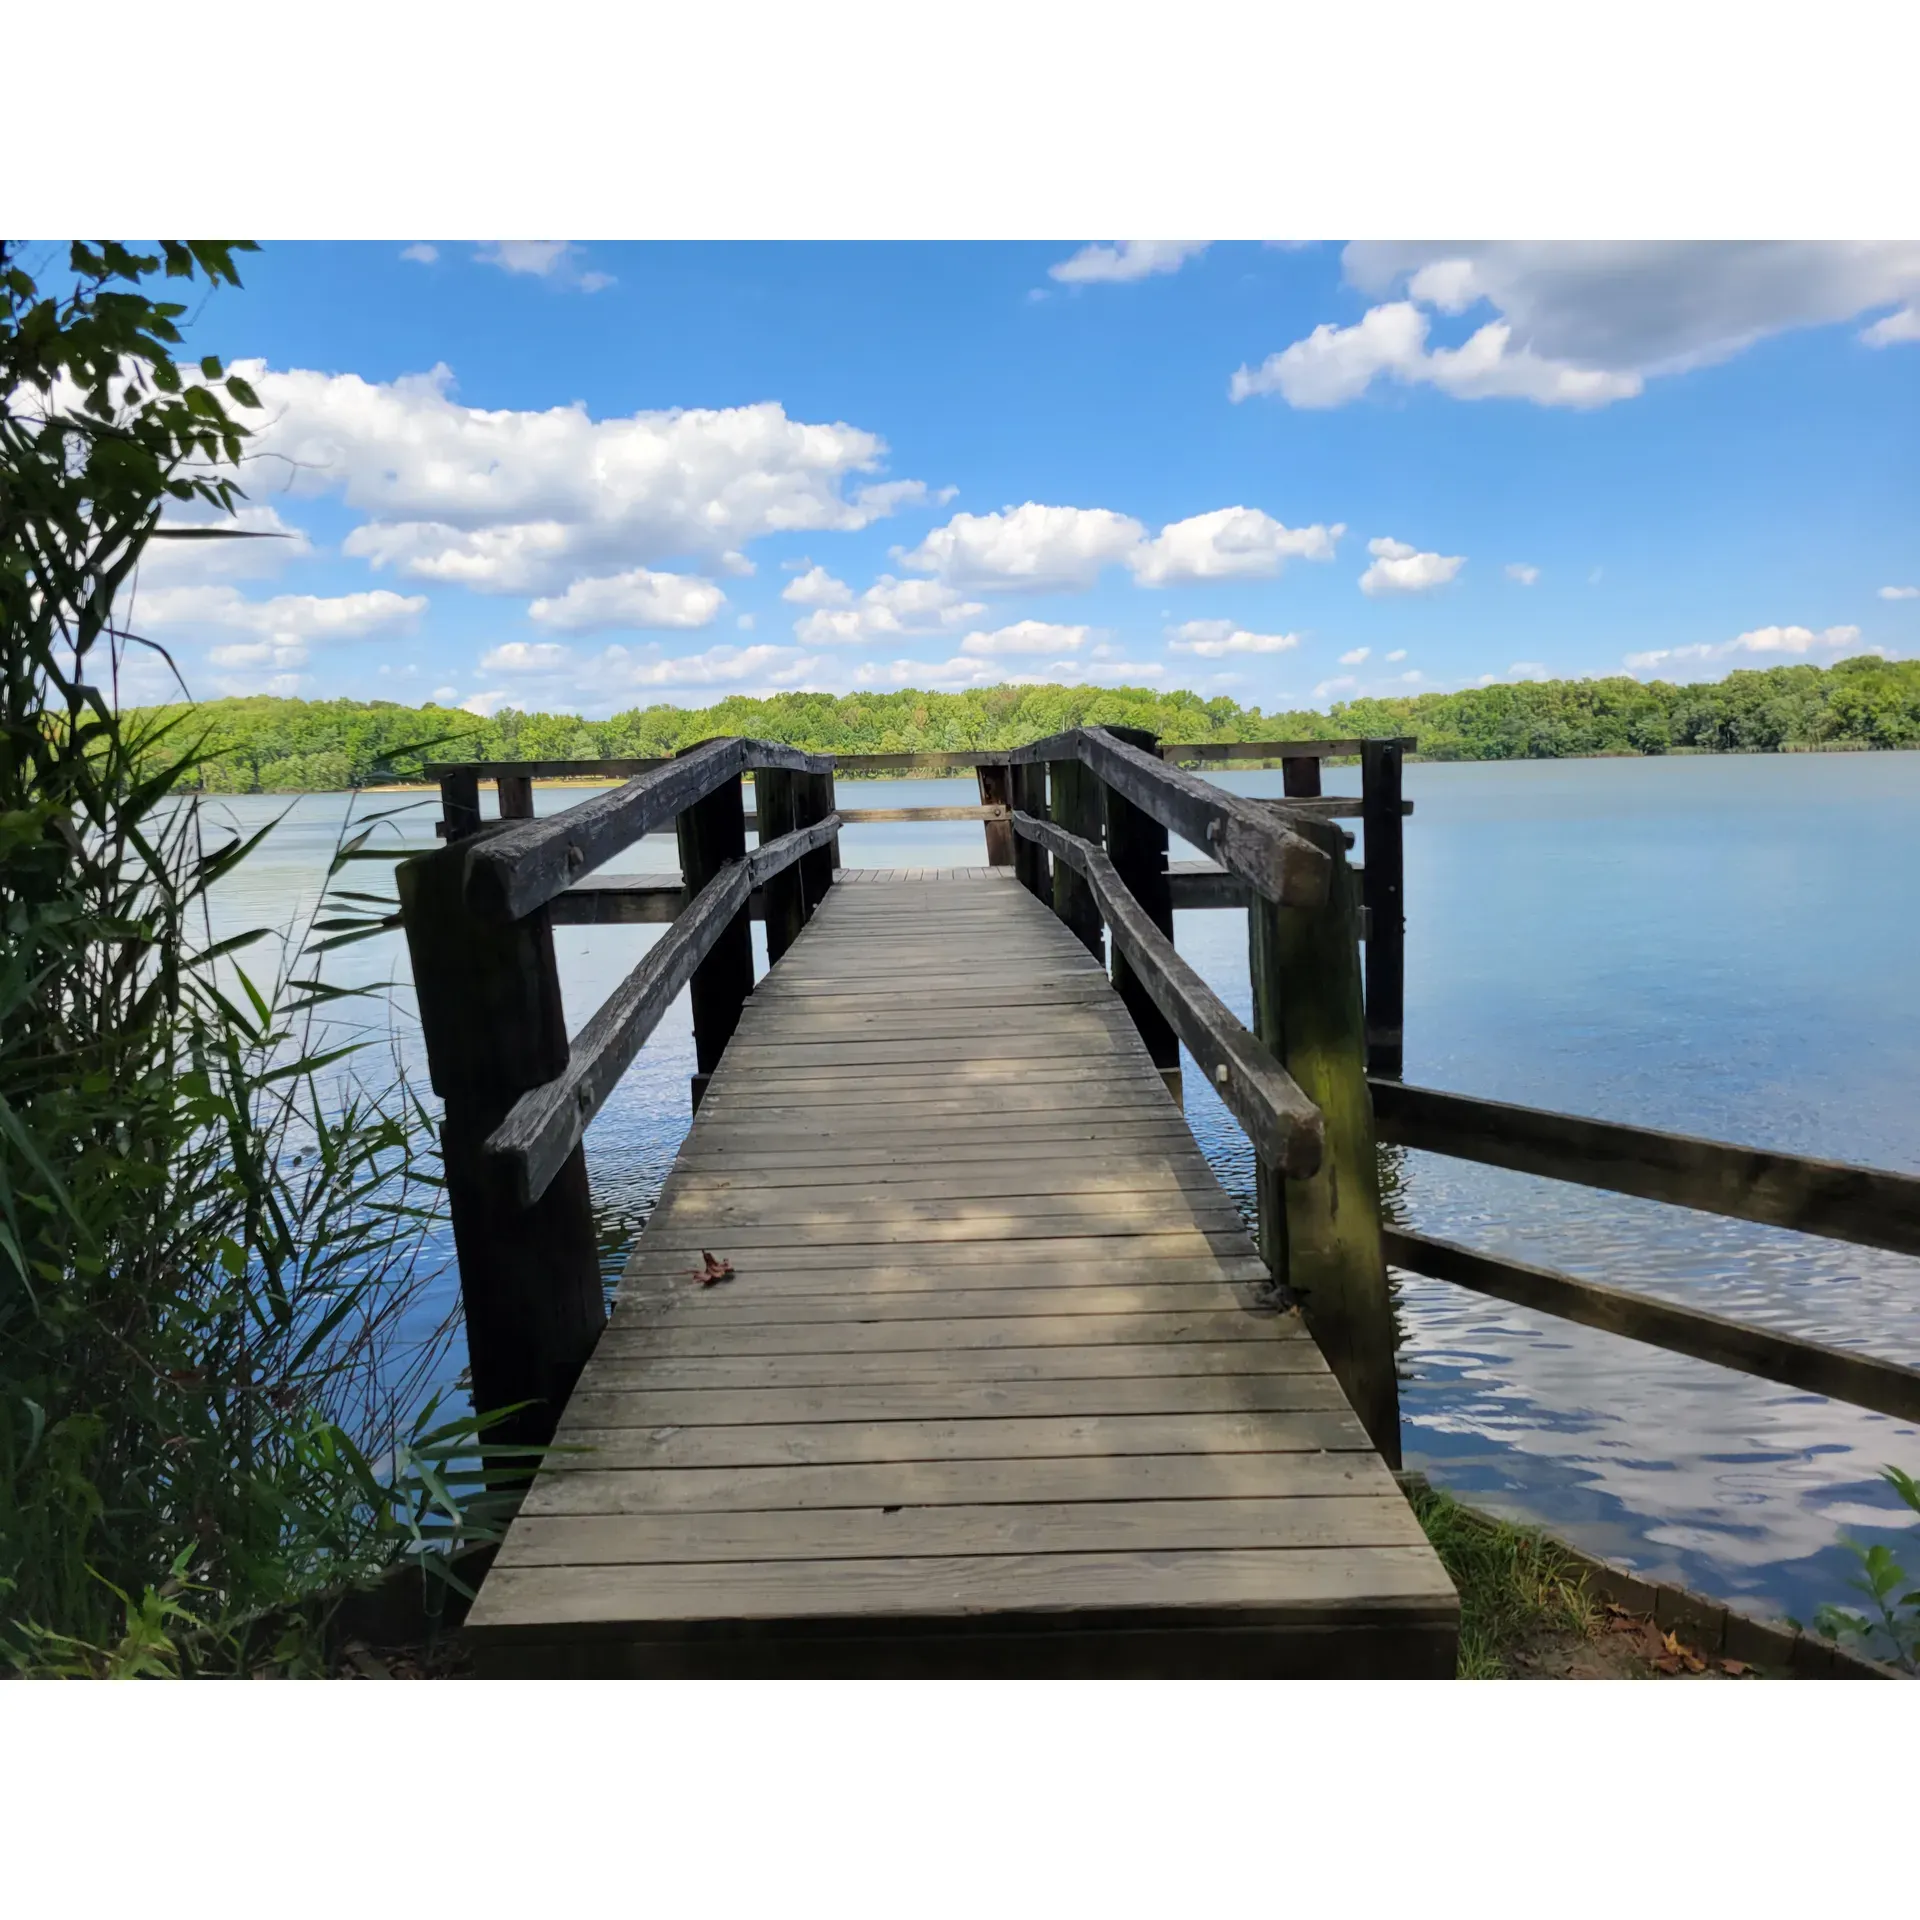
269	745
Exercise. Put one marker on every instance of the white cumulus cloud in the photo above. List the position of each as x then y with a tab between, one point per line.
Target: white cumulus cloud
288	620
556	260
1126	260
889	609
527	656
1216	639
638	598
1354	658
1399	568
1024	637
1051	548
1026	546
817	588
509	500
1230	543
1526	575
1796	641
1583	324
1896	329
422	251
1334	365
1900	593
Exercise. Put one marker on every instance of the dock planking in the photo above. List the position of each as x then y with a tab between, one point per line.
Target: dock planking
998	1385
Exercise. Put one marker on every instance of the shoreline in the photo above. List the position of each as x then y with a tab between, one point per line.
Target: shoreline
1243	766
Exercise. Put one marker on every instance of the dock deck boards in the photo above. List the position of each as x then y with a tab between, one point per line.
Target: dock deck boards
994	1388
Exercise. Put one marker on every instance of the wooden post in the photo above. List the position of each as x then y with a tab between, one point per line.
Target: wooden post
814	801
1384	892
1300	776
490	1012
776	809
1321	1236
995	788
516	796
459	805
712	832
1137	846
1074	803
1029	785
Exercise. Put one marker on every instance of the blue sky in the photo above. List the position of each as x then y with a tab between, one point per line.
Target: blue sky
593	476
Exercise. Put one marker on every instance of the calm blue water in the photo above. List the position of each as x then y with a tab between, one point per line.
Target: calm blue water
1718	946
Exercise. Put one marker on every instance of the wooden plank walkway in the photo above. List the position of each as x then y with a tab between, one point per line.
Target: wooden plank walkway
993	1388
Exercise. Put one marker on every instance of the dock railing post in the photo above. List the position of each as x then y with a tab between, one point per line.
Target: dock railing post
712	832
776	803
995	789
1029	785
1382	879
1300	776
490	1012
516	795
814	801
459	804
1073	794
1137	846
1320	1236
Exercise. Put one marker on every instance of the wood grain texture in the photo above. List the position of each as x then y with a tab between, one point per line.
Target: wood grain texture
1865	1205
996	1365
1860	1379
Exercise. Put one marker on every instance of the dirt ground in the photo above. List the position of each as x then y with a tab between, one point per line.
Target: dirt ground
1622	1646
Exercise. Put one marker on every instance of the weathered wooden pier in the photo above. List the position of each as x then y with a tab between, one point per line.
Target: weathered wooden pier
944	1352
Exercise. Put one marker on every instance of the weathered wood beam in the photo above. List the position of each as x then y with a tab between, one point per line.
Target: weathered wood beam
1279	1119
459	804
1273	858
1864	1205
1281	750
531	862
1339	807
713	835
1137	846
620	769
863	816
815	804
548	1122
1074	805
1028	792
1384	891
1321	1236
995	792
1859	1379
494	1027
776	813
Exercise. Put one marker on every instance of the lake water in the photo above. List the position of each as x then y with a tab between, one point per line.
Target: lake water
1717	946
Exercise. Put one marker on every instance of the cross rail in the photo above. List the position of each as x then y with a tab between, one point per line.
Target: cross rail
1283	1124
548	1122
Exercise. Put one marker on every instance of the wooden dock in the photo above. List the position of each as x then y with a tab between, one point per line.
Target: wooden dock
996	1380
998	1383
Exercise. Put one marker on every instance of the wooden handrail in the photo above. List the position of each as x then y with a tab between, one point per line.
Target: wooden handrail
1241	834
1864	1205
1283	1124
1276	749
533	861
944	759
546	1124
1859	1379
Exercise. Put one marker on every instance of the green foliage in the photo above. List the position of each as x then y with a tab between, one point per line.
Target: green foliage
1892	1631
209	1235
1514	1584
265	745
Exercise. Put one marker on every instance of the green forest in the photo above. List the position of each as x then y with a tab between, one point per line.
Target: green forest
269	745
